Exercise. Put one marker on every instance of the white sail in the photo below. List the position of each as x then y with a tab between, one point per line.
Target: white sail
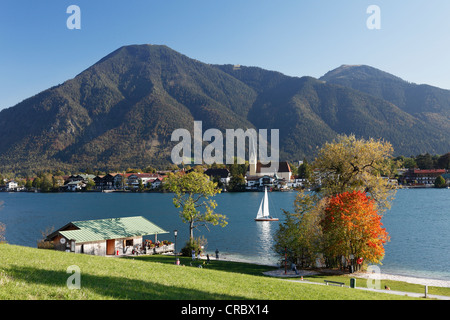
266	204
263	212
260	213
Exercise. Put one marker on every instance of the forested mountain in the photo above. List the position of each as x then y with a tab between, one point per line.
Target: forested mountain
427	103
121	112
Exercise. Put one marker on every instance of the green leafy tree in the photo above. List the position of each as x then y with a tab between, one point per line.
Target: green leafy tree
237	169
141	186
237	183
37	183
440	182
349	164
28	184
425	161
90	185
149	169
444	161
409	163
299	235
305	171
192	194
46	185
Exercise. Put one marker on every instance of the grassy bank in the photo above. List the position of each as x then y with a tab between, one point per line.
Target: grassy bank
28	273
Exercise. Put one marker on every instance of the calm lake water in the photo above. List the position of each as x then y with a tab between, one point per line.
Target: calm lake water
418	223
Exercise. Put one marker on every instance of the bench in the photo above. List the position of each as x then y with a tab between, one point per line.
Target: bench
341	284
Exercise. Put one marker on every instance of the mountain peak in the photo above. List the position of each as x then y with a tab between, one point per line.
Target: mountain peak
358	72
120	112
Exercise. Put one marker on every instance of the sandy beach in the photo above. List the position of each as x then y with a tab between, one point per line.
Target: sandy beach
415	280
364	275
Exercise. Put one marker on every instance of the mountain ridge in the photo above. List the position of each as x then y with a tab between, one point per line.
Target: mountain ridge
424	101
121	111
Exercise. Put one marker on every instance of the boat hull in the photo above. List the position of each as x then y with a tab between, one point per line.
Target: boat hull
266	219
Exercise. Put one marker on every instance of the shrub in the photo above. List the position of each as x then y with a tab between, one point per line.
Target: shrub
194	244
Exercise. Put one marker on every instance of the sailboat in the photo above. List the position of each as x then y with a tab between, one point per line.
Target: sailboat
263	212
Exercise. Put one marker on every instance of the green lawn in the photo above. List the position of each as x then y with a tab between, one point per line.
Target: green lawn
28	273
253	269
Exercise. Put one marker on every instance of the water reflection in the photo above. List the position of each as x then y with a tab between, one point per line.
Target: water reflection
264	232
418	223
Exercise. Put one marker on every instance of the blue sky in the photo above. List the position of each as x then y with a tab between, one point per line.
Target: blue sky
295	37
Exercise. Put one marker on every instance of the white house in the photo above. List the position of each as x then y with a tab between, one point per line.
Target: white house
11	185
133	180
257	182
296	182
156	183
75	185
282	170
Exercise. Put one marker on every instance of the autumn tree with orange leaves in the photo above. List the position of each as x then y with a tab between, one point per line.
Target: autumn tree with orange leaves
341	218
352	227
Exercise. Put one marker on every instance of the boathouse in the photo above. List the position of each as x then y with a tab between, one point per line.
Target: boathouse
115	236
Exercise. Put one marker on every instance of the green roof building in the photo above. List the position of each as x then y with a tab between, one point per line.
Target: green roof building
115	236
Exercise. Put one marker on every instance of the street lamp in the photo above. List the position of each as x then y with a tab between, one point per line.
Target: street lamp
175	232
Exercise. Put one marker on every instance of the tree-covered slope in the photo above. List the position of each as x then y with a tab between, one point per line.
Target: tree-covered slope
121	111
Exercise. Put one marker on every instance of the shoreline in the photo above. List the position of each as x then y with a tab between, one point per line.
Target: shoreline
362	275
403	278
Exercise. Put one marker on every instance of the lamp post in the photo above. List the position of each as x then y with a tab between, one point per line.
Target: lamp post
175	232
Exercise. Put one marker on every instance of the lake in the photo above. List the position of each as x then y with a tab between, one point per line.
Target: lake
418	223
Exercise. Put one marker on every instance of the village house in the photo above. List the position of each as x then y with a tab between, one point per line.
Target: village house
156	183
222	174
146	178
76	185
113	181
77	182
80	177
296	182
268	175
104	237
11	185
259	182
421	177
252	183
281	170
106	182
119	178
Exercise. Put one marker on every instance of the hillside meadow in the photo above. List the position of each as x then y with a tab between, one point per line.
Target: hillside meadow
36	274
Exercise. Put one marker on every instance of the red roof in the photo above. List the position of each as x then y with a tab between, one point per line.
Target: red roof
429	171
282	166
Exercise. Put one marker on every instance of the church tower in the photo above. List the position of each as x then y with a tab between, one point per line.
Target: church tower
253	160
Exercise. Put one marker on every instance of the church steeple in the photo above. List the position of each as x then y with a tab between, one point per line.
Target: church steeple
253	160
